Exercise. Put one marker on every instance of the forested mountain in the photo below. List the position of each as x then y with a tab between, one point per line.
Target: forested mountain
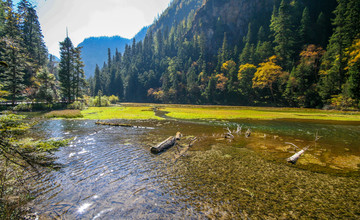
95	49
243	52
178	11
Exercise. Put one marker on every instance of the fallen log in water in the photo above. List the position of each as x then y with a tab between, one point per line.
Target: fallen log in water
171	141
293	159
113	124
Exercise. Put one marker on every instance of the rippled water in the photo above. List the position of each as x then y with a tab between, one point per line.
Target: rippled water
109	173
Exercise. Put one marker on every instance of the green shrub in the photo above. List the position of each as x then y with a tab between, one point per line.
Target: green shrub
23	107
77	105
113	99
94	101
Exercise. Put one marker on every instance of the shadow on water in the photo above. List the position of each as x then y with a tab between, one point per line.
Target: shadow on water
109	172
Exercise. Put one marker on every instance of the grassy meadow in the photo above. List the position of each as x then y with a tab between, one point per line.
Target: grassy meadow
260	113
123	112
135	111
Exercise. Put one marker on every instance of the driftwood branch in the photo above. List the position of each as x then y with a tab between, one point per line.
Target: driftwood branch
293	159
229	134
248	133
317	137
113	124
295	147
238	129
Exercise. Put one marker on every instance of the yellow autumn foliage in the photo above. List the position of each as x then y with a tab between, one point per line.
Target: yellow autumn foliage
245	68
267	73
353	53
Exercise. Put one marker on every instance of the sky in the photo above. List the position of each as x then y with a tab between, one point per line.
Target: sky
94	18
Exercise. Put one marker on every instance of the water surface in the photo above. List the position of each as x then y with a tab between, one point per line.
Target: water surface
109	172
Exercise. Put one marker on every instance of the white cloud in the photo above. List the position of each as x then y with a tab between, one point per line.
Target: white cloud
85	18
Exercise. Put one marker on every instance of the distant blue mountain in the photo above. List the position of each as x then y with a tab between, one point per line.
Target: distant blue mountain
95	49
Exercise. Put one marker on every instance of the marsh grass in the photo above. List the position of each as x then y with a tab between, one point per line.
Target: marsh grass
128	113
64	114
142	111
228	113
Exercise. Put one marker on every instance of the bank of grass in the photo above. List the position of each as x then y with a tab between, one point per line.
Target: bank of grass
128	113
68	113
137	111
228	113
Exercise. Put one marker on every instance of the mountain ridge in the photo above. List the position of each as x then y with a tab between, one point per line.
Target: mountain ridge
95	49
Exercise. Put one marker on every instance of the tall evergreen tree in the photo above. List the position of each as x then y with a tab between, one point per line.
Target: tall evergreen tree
79	82
31	33
347	25
305	28
321	30
284	36
97	80
247	54
2	17
13	77
66	72
12	53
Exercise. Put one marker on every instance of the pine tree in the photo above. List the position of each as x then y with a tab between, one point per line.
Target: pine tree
352	86
12	53
47	85
97	80
321	30
284	40
11	26
119	86
302	84
2	17
13	76
305	28
223	54
347	25
79	82
210	90
109	58
66	72
247	55
31	33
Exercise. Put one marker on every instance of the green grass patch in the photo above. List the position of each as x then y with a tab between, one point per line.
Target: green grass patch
64	114
129	113
224	112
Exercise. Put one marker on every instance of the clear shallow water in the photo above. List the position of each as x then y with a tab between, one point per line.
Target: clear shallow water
109	173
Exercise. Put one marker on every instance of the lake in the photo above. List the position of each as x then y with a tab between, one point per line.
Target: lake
110	173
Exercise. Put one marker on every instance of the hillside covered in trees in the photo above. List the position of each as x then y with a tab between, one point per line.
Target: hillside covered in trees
94	49
242	52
